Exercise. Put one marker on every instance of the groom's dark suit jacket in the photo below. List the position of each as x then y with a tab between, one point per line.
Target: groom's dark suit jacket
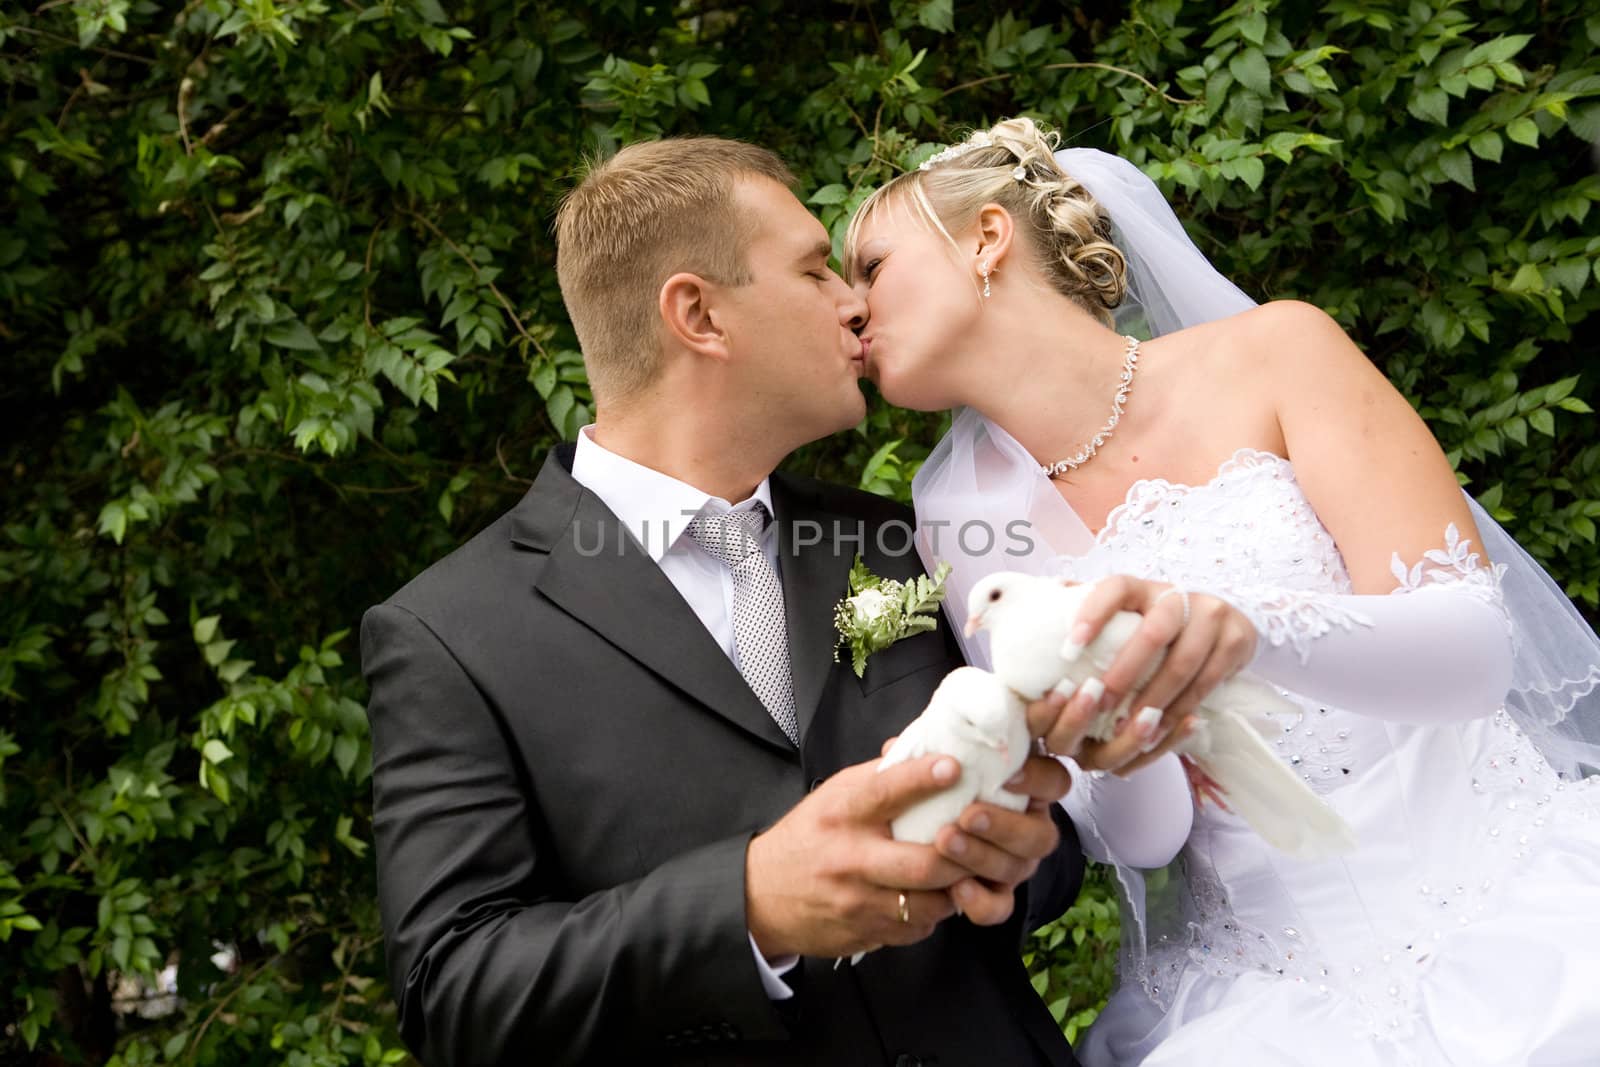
567	769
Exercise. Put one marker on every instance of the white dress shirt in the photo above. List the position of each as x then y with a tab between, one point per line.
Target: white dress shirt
656	508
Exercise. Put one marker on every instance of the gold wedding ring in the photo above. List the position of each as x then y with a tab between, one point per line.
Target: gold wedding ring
905	912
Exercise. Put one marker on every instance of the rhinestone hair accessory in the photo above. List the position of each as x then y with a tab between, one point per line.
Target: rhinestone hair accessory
956	151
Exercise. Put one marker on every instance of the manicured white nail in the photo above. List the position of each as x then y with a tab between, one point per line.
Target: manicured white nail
1065	688
1071	650
1093	689
1146	723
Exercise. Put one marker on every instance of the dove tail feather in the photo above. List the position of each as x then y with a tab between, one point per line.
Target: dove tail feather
1269	796
1257	700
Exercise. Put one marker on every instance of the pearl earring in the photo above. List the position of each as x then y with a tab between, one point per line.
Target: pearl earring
984	270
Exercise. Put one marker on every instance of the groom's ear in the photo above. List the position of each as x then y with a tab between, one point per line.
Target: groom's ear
996	230
686	302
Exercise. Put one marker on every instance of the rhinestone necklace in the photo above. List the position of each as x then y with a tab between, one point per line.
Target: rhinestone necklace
1129	364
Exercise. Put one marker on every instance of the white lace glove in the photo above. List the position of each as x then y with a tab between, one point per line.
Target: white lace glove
1438	653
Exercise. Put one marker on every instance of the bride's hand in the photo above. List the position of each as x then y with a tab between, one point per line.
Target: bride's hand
1216	641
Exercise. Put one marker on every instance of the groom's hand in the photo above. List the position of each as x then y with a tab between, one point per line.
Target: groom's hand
826	879
1002	848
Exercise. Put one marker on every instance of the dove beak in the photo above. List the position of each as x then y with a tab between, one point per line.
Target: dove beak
974	624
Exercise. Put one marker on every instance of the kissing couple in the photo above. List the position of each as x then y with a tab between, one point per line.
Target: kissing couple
627	802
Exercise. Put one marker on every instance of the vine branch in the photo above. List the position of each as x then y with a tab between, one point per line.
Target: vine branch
1135	75
478	274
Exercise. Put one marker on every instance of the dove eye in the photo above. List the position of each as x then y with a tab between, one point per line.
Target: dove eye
994	594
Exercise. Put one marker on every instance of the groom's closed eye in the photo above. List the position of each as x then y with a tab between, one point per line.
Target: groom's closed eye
815	262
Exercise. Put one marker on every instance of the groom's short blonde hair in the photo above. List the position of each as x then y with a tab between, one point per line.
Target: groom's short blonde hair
652	210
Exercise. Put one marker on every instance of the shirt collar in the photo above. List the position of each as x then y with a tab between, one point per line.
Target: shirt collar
654	507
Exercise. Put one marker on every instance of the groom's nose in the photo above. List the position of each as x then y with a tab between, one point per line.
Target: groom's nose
853	310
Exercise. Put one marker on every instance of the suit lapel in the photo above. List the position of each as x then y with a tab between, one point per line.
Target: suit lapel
815	564
598	574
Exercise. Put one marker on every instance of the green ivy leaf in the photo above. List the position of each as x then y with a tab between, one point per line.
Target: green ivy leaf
1252	171
1486	145
1523	131
294	335
1457	166
1249	68
1430	104
937	15
829	194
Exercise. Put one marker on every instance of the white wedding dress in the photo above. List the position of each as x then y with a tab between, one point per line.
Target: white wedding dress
1465	928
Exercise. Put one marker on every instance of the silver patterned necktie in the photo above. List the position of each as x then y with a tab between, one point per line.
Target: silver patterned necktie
759	631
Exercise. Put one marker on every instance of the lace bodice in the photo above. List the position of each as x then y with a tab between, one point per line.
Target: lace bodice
1249	525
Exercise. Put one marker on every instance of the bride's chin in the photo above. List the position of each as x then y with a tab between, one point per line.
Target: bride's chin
908	391
910	399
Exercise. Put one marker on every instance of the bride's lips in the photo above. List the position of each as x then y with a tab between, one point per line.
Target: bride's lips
863	361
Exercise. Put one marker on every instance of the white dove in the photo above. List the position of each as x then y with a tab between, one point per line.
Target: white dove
1029	620
974	718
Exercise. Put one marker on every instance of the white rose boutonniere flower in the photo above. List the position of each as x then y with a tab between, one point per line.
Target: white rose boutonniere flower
877	612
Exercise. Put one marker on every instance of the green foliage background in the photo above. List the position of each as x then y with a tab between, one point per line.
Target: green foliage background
281	328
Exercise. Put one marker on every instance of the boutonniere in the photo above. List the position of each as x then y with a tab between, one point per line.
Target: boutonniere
878	612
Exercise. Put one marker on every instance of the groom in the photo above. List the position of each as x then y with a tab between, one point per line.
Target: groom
626	804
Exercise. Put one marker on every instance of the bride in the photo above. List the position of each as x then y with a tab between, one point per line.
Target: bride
1260	493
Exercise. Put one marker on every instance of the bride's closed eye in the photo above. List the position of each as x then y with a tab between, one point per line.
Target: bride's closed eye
869	268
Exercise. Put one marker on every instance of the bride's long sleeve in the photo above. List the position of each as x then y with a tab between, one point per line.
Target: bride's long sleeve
1138	821
1437	649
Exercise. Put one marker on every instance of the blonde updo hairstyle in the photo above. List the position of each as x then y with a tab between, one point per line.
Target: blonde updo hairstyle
1066	233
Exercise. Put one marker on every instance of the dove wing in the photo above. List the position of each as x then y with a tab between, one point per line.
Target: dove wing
1262	790
911	744
1121	627
1256	700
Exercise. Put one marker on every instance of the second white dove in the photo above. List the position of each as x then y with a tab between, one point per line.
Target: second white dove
974	718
